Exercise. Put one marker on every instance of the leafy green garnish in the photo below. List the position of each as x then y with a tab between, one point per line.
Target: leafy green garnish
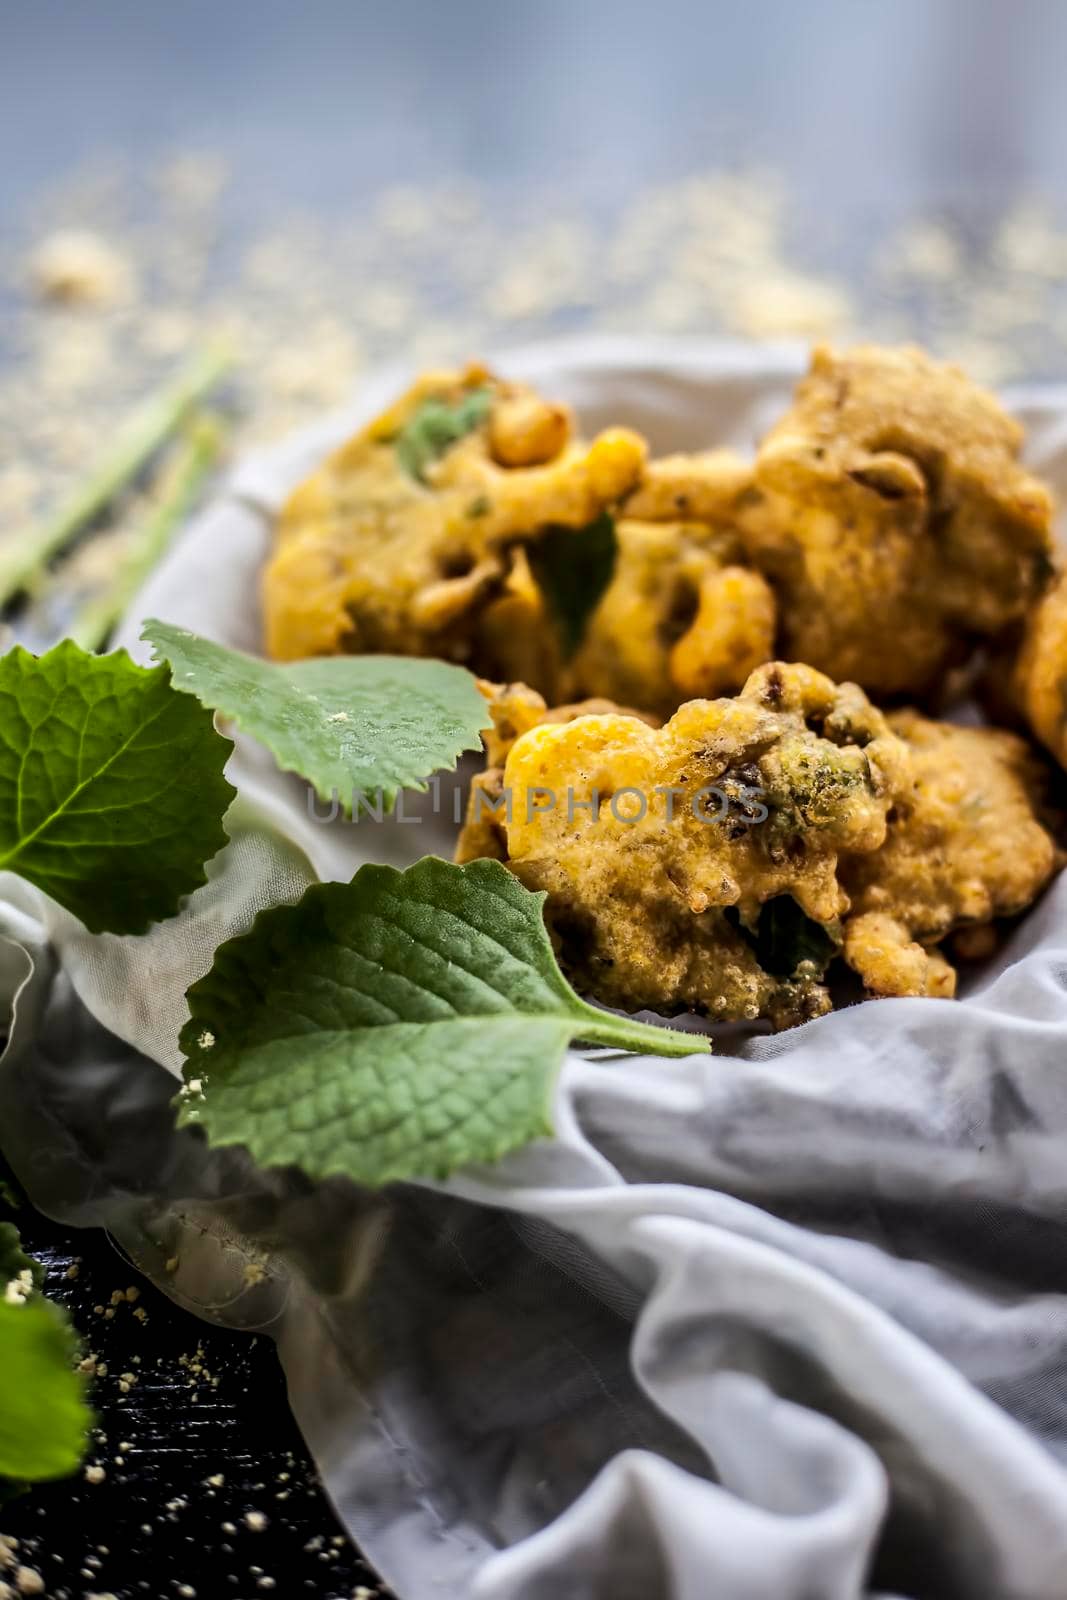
364	723
785	936
573	568
43	1419
111	786
14	1260
435	426
404	1024
809	785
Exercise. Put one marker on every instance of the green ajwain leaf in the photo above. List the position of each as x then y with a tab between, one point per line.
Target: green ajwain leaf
572	568
13	1259
785	936
111	785
437	425
44	1419
344	723
43	1416
401	1025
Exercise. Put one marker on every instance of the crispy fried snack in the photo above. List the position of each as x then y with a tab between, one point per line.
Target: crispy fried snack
514	709
965	844
1040	676
822	829
895	520
697	866
684	616
890	962
711	486
404	539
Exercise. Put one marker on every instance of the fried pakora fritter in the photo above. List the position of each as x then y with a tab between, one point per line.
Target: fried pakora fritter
895	520
821	829
885	526
679	620
709	486
966	843
406	537
515	708
684	615
718	863
889	962
696	866
1040	673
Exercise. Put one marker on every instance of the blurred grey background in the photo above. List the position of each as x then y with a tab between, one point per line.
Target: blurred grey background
864	105
330	184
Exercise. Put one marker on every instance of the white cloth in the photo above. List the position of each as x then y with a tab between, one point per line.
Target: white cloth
789	1324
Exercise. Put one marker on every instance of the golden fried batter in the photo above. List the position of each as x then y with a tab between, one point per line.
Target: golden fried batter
964	845
890	962
835	831
512	636
402	541
1040	677
679	619
514	709
670	855
711	486
684	616
730	636
896	522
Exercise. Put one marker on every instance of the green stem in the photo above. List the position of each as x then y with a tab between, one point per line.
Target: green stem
602	1027
96	619
23	556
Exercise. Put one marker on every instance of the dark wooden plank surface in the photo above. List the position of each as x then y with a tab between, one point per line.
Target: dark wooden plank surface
201	1440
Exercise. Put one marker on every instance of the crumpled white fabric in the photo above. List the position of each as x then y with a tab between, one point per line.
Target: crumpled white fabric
786	1324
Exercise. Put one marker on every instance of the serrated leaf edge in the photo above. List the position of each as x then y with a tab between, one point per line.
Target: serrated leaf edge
158	670
413	784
